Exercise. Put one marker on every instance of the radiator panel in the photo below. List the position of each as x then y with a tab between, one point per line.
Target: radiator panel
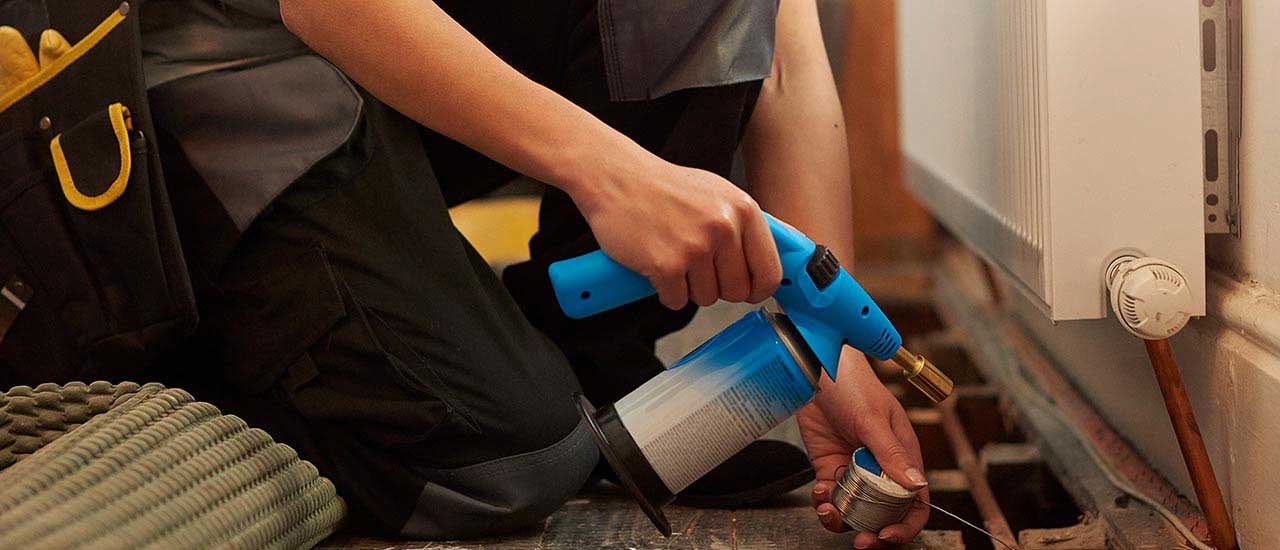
1049	135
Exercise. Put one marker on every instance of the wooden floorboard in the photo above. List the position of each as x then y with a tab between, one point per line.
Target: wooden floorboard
788	523
604	517
527	540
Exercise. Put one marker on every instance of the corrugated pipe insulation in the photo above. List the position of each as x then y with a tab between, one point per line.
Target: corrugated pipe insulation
126	466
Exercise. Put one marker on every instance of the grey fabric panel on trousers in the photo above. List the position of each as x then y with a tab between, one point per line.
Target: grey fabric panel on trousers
156	469
655	47
274	122
502	494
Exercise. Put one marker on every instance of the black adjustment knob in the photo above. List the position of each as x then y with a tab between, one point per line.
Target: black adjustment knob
823	267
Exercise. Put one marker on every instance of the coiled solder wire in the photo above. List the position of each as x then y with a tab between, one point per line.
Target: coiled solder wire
868	502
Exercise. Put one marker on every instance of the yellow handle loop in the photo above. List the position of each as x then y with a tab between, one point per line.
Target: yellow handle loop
120	126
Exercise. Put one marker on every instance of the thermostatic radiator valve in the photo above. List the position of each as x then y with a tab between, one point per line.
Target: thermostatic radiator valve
1151	297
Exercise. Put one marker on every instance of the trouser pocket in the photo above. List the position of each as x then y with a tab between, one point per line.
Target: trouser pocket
334	359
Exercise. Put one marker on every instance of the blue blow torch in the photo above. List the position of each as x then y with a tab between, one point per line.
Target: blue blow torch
741	382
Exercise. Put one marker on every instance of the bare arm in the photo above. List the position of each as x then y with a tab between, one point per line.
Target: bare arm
796	152
798	168
693	234
413	56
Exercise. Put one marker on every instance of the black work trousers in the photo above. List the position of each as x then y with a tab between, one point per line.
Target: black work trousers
354	322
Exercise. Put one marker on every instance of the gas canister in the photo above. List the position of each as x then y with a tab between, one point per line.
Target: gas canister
711	404
743	381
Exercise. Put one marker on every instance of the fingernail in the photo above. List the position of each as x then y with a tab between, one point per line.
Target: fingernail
820	490
824	514
861	546
888	538
916	477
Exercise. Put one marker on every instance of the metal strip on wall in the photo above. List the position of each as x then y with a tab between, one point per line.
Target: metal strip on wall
1220	72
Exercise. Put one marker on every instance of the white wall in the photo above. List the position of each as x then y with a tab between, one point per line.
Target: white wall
1230	358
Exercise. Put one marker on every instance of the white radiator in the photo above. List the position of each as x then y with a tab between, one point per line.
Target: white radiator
1053	135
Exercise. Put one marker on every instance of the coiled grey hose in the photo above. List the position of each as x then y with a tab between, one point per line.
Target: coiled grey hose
128	466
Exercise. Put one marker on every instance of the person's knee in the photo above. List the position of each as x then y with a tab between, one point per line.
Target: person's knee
503	494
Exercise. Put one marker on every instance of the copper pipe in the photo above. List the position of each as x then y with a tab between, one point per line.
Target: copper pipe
1221	532
1114	448
967	460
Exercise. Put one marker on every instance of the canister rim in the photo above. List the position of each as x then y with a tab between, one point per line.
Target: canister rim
799	350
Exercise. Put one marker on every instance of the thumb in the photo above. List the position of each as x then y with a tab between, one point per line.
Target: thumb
52	46
893	456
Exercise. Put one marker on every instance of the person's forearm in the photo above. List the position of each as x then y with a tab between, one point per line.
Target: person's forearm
413	56
690	232
796	152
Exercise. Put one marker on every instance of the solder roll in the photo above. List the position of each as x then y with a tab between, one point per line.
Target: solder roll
868	501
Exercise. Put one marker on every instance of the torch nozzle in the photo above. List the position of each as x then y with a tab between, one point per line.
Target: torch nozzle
923	375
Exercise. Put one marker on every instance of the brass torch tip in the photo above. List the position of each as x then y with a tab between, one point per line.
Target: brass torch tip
923	375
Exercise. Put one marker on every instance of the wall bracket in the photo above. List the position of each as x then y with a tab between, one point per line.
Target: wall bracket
1220	101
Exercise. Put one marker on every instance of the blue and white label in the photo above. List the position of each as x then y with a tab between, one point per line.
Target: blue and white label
715	401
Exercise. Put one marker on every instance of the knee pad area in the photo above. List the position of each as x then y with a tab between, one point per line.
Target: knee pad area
503	494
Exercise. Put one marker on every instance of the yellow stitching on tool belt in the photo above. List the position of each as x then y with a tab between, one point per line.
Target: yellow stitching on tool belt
47	73
120	125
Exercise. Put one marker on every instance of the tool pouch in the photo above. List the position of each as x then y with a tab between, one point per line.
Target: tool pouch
94	280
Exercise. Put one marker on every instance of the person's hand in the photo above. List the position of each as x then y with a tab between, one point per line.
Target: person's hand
858	408
693	234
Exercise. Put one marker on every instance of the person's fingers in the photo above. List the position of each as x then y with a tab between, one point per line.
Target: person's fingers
906	433
898	462
673	289
865	540
731	271
917	516
762	257
703	289
830	518
821	493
